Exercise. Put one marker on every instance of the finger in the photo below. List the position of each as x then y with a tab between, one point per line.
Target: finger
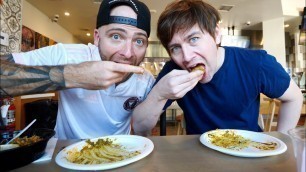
187	77
186	86
110	81
184	89
198	74
125	68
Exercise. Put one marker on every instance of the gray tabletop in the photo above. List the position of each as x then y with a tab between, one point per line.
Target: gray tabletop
186	153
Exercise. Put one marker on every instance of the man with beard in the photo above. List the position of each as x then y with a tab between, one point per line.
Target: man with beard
120	42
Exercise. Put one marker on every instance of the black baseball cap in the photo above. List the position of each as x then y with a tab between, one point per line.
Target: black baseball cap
143	20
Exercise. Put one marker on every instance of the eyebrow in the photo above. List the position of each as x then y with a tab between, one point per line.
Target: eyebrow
186	38
142	34
192	34
116	29
123	30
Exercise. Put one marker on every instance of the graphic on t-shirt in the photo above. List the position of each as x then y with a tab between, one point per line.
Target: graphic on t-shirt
130	103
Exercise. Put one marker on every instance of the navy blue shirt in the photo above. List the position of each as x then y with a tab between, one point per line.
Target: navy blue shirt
231	100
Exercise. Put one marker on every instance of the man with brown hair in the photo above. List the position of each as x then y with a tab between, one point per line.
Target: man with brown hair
225	93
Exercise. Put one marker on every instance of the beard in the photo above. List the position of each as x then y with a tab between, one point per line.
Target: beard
103	58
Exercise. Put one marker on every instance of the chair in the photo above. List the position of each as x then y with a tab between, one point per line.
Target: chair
44	111
261	122
181	125
269	110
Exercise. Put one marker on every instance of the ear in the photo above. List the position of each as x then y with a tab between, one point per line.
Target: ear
218	34
96	37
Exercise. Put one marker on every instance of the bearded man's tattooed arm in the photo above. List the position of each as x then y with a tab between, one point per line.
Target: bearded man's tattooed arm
18	79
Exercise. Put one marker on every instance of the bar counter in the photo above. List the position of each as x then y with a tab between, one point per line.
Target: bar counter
187	154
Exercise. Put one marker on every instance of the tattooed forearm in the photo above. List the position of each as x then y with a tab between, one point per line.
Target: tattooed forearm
18	80
8	58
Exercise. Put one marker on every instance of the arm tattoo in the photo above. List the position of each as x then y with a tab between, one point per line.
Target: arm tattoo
8	57
18	80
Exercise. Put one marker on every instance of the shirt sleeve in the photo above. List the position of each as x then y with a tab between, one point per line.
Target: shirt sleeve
59	54
50	55
274	80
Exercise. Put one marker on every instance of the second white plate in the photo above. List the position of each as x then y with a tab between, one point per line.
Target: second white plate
130	142
249	151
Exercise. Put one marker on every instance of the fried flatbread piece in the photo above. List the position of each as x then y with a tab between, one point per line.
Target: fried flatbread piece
198	67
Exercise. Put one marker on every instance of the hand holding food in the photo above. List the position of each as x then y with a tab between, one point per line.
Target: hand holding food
176	84
103	74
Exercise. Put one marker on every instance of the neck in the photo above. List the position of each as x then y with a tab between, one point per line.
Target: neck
220	57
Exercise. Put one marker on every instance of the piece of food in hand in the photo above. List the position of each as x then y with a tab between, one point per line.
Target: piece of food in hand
198	67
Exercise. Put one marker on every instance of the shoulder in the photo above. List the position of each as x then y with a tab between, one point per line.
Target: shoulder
82	52
79	47
245	52
248	56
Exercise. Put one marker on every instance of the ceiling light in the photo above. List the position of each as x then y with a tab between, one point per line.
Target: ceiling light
225	8
286	25
55	18
153	11
88	34
97	1
67	14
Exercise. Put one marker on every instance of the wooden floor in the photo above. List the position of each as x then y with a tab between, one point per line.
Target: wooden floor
172	127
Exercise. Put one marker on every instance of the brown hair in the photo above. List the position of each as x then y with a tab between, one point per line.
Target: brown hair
184	14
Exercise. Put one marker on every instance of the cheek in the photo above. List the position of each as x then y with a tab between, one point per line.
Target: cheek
107	50
140	54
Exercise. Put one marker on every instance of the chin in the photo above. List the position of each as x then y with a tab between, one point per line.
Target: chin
205	79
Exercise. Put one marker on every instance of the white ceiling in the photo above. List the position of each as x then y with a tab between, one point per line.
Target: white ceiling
83	13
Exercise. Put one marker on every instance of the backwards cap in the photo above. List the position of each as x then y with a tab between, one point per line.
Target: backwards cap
143	14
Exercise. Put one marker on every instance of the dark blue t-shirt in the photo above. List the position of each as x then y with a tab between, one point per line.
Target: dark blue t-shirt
231	99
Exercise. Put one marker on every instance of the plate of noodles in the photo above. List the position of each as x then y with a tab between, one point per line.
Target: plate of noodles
104	153
243	143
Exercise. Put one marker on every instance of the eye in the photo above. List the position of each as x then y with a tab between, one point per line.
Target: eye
116	36
175	50
139	42
194	39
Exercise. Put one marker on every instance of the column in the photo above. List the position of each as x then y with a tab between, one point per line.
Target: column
274	39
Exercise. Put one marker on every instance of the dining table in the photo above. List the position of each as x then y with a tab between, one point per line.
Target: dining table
185	153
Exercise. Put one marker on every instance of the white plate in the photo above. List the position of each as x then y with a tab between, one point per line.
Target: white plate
249	151
130	142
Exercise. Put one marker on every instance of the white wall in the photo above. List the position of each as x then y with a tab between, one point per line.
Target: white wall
274	39
39	22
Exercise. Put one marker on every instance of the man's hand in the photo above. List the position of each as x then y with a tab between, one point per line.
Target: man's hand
176	84
97	75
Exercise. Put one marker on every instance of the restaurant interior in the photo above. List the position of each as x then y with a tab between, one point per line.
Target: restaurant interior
36	20
271	25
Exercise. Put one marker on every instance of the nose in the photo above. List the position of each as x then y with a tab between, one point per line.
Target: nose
187	53
127	50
